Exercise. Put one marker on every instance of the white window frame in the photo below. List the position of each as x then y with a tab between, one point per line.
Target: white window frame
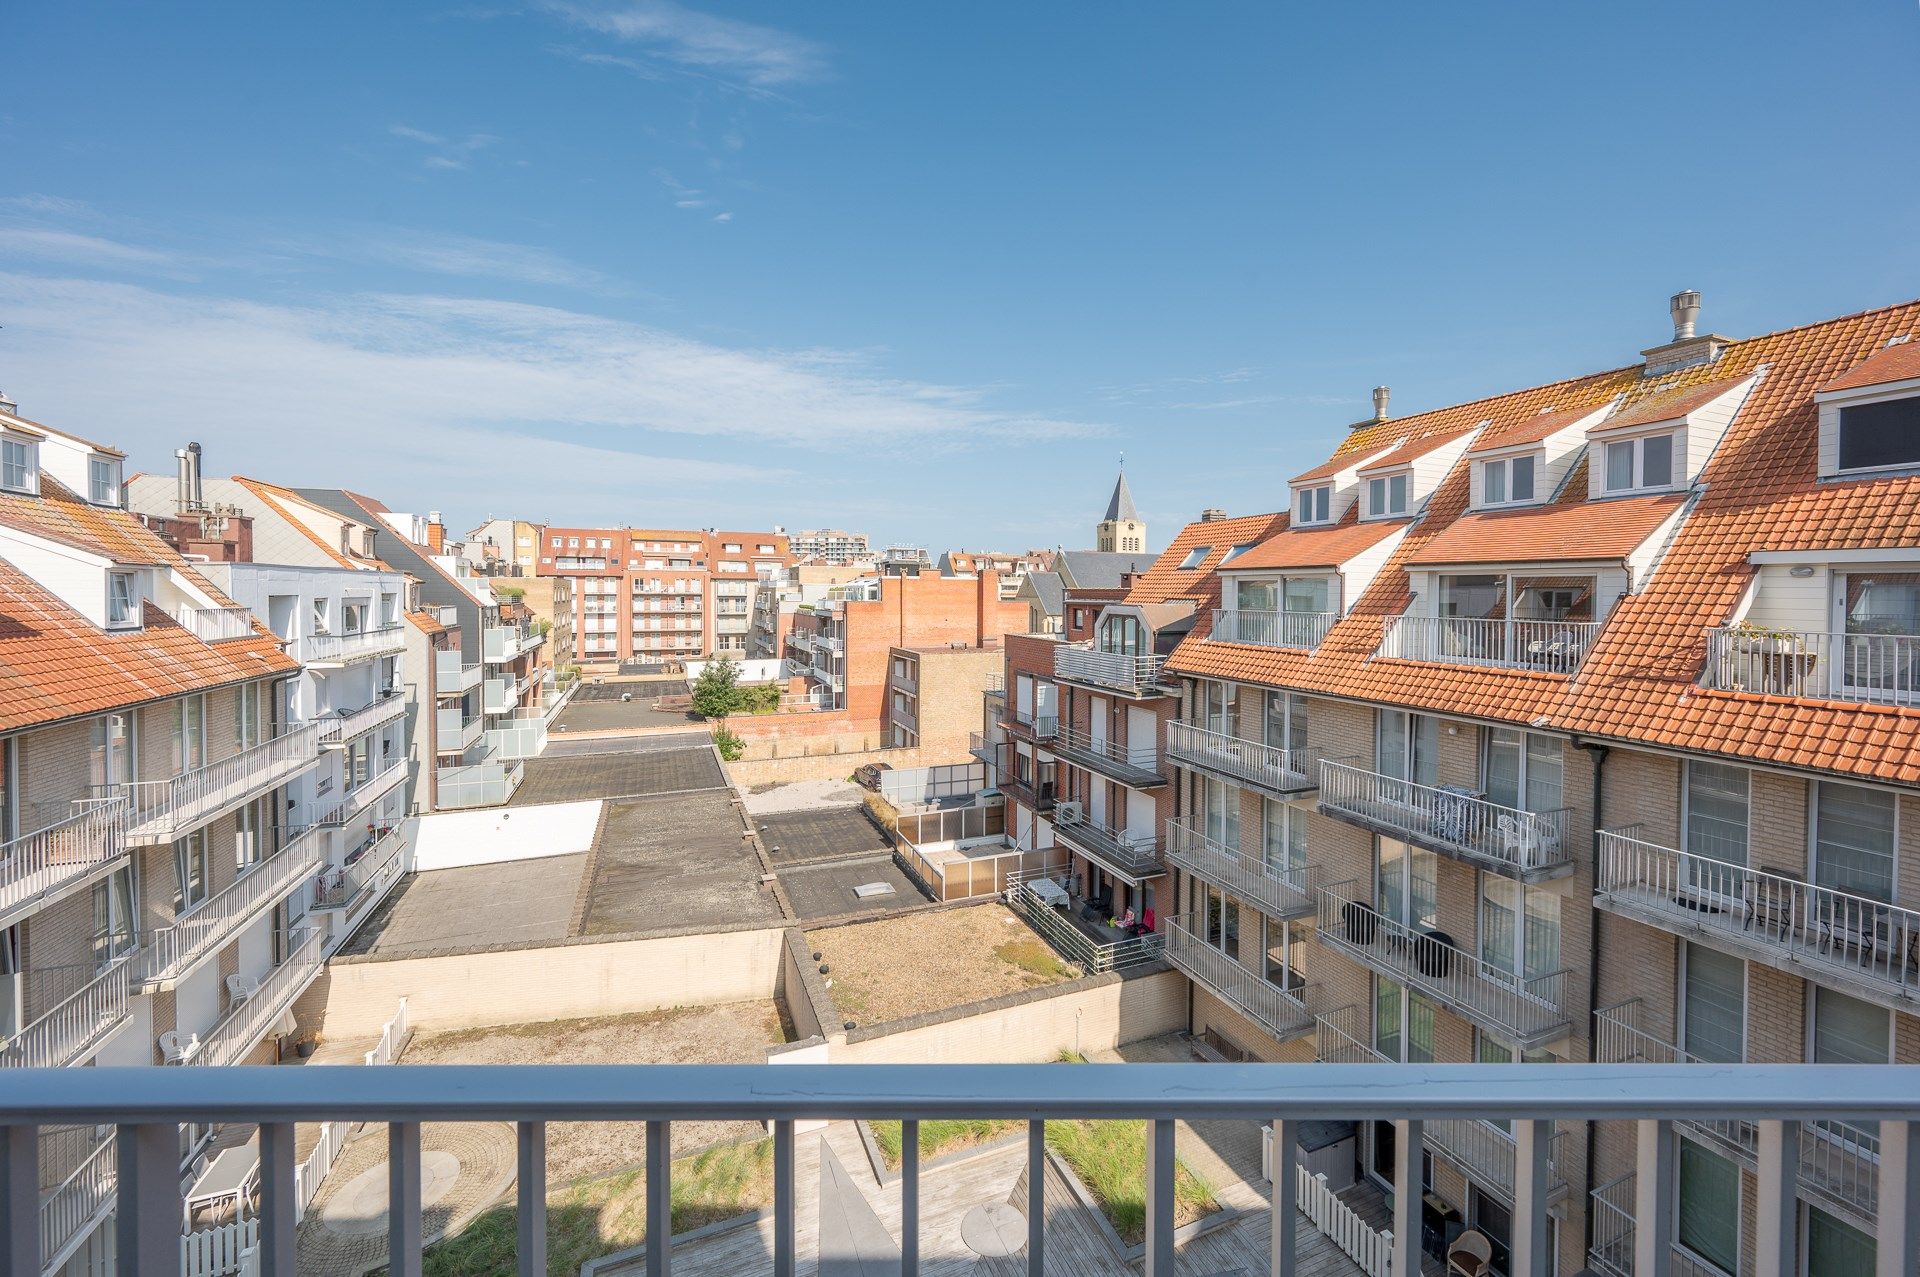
1383	507
1838	410
95	462
27	463
1676	462
1504	465
123	614
1195	557
1320	496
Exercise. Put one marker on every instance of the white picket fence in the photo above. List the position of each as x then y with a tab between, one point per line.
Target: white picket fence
308	1176
213	1252
1371	1250
393	1036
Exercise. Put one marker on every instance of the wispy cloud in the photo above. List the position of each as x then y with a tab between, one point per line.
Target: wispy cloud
760	56
444	152
37	205
688	197
470	257
71	248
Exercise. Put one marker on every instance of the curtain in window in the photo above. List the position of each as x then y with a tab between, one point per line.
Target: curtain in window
1407	892
1519	929
1717	805
1285	840
1308	594
1853	840
1257	596
1713	1023
1835	1249
1386	1018
1849	1031
1503	766
1709	1214
1886	603
1546	773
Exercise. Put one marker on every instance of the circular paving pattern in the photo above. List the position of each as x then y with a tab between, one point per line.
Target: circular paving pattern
994	1230
361	1204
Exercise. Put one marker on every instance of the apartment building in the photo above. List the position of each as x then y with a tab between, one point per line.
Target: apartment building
550	600
157	876
1570	724
829	545
506	547
1044	591
654	594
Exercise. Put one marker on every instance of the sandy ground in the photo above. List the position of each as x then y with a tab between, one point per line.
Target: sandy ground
732	1033
803	795
899	967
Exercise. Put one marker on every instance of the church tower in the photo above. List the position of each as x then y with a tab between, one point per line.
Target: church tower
1121	531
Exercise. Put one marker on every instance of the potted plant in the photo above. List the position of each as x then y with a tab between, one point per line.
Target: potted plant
305	1044
1761	658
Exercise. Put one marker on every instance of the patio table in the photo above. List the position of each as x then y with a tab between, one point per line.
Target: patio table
1049	891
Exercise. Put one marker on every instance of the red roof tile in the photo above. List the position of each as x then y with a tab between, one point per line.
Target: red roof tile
1318	547
1532	430
1665	404
1899	362
1580	530
1414	448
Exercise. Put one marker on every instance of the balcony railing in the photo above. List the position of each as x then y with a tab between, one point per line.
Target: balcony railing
1073	943
1282	1013
1277	892
1525	1010
450	677
344	649
1879	669
343	888
218	624
228	1041
486	784
1131	764
1133	675
338	728
1612	1253
1550	647
1839	1166
455	732
987	751
334	813
148	1108
166	954
1857	944
1038	795
39	867
1132	856
78	1203
1306	630
503	643
162	810
1453	822
1036	726
76	1024
1278	771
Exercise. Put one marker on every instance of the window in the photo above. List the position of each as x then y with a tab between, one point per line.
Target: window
1519	929
1717	802
1402	1023
1195	557
1313	505
1123	635
1713	1005
123	600
1387	496
103	480
1236	552
246	714
1707	1219
1836	1249
323	616
1284	840
1853	839
1286	720
190	733
353	617
112	916
248	844
1524	770
1408	746
19	464
1637	465
110	756
1406	893
1880	436
1220	812
1849	1031
189	871
389	612
1508	480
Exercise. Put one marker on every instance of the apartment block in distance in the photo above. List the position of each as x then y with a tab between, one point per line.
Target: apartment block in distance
657	595
1570	724
829	545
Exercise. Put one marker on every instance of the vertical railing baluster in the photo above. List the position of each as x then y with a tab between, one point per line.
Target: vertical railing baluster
20	1199
1532	1148
910	1197
1777	1209
1160	1197
404	1237
1286	1189
1653	1192
659	1197
148	1206
1036	1198
1899	1213
1407	1137
531	1220
278	1205
783	1197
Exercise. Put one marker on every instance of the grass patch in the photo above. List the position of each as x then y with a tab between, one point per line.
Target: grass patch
938	1138
1111	1160
1031	954
599	1216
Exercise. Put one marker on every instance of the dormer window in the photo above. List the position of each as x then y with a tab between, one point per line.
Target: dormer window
19	464
1507	480
1639	465
1195	557
1880	436
103	480
1387	496
123	600
1314	505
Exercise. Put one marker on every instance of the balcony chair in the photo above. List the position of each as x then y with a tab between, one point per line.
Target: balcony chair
1524	843
178	1048
240	988
1471	1255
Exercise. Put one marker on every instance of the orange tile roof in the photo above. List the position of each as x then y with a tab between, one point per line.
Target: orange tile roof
1166	579
1413	448
1665	404
1318	547
427	623
1898	362
1340	460
1569	531
1532	430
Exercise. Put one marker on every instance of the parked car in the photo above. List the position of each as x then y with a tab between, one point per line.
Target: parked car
867	776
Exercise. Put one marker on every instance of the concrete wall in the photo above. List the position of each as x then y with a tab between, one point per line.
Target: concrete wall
448	840
827	766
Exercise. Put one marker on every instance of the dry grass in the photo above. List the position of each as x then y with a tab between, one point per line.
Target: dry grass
900	967
941	1136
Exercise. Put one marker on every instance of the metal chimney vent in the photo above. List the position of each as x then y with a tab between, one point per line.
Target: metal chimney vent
1381	394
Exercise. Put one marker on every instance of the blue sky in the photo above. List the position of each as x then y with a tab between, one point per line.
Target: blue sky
923	270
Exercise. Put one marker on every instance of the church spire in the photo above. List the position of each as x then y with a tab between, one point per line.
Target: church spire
1121	530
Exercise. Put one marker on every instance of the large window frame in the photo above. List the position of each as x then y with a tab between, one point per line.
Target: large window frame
1407	746
1313	505
19	463
1699	960
1692	1230
1625	464
1828	851
1510	481
1389	496
1532	767
1896	411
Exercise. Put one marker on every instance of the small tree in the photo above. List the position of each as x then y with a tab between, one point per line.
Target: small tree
729	745
713	691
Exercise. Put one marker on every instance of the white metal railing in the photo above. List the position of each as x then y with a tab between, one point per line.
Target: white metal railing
1453	821
339	728
1272	629
341	888
61	1034
1274	890
1136	675
228	1041
218	624
1075	945
361	645
1283	771
1880	669
1868	946
455	731
1486	1153
987	751
1339	1037
450	677
996	683
162	810
1131	855
333	813
485	784
815	698
1126	762
77	1202
1552	647
1524	1009
1281	1012
1040	726
35	867
166	953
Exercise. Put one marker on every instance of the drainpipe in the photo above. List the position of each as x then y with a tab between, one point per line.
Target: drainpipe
1599	754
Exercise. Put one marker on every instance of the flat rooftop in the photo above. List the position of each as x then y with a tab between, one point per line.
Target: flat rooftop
451	910
618	774
827	890
598	707
800	837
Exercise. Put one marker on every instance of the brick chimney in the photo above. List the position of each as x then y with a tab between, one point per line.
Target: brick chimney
436	532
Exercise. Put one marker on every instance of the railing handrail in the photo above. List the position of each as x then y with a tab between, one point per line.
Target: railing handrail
339	725
1539	839
1141	842
1181	830
52	1038
42	859
217	624
1146	758
1130	671
1226	749
1514	642
1821	664
165	951
157	800
1256	628
315	647
234	1031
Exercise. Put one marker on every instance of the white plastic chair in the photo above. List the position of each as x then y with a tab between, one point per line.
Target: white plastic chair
177	1048
240	988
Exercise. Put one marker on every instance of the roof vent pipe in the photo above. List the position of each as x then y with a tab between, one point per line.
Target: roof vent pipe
1380	396
193	457
1685	309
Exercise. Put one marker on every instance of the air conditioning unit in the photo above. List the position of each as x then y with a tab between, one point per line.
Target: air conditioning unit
1068	813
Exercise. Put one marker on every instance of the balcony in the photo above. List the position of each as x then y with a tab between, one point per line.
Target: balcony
336	813
1303	630
500	695
1037	795
1095	948
1281	1013
168	954
987	751
1132	856
1278	893
1456	823
1839	1167
163	810
241	1029
450	677
501	644
1281	772
1873	669
1137	676
455	732
1137	766
39	868
486	784
1546	647
447	614
71	1028
524	735
148	1109
1034	726
368	873
335	651
338	728
835	681
1613	1255
218	624
1525	1011
1855	944
77	1205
